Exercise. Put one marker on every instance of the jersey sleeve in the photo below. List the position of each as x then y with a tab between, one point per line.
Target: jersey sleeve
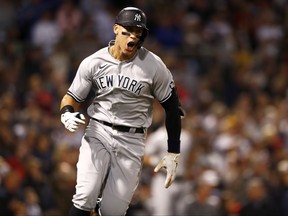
163	82
82	82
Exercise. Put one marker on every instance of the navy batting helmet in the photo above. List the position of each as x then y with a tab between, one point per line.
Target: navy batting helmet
132	16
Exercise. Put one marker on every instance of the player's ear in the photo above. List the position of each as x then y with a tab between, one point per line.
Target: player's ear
116	29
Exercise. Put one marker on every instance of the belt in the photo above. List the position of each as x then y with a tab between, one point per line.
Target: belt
121	128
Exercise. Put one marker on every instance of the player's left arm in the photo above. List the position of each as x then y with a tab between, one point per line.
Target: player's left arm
173	121
173	125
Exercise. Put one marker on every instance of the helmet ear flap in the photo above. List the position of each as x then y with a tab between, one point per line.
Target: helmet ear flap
143	36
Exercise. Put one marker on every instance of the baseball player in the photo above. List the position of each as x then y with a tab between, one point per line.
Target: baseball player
125	79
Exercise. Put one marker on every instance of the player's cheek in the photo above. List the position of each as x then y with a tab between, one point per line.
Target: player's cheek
122	42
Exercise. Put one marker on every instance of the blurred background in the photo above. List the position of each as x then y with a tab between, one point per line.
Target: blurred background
229	60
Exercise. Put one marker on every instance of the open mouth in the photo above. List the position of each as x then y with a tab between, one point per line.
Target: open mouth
131	44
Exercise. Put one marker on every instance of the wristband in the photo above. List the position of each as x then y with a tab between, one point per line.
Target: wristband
67	108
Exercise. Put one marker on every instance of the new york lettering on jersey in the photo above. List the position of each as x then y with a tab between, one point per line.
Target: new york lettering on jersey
108	81
124	82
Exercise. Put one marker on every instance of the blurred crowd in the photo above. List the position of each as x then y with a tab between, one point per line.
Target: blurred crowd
230	63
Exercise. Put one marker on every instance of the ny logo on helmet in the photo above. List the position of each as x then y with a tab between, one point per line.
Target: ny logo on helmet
137	17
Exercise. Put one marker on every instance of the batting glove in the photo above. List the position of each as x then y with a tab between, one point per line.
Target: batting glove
169	162
71	121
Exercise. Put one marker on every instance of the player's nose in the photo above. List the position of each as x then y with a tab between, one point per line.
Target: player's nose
134	35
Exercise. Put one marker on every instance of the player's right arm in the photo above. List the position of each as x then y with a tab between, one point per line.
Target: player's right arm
77	93
70	116
68	100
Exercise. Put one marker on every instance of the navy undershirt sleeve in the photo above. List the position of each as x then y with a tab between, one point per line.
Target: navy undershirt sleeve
173	121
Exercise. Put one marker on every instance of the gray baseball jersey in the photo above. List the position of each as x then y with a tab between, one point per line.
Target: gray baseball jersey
124	91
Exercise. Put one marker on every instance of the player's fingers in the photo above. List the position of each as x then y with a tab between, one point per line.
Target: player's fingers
80	116
73	124
158	167
168	180
79	121
71	129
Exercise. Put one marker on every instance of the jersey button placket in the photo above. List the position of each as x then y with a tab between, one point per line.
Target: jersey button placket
119	68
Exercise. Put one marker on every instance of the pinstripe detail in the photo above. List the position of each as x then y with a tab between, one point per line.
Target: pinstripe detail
75	97
166	98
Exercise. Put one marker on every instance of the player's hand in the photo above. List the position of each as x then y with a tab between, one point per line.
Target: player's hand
169	162
71	121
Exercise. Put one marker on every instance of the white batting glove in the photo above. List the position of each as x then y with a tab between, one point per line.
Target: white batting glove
169	162
71	121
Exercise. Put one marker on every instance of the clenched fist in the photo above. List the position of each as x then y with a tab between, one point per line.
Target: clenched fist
71	121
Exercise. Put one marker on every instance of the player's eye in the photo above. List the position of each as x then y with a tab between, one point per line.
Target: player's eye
136	31
126	33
